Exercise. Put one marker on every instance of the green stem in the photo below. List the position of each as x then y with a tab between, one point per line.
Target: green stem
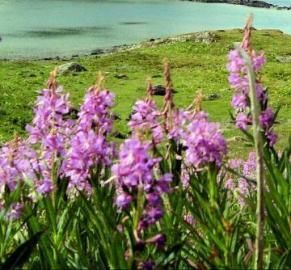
259	147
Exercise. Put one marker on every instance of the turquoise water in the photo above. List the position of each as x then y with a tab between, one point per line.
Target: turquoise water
42	28
286	3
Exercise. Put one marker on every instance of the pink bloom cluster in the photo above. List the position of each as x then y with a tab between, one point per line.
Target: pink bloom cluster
48	127
135	177
58	146
204	142
51	131
241	185
95	111
238	80
180	119
88	145
16	164
145	119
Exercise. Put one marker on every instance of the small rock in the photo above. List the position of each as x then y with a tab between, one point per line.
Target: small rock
115	116
121	76
213	97
157	76
71	68
284	59
159	41
205	37
160	90
118	135
97	52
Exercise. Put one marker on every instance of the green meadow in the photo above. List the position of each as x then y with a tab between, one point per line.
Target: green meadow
195	66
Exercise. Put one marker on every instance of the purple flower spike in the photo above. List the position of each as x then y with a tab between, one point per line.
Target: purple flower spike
136	166
123	200
48	126
95	111
148	265
45	186
238	79
135	177
242	121
240	185
88	145
205	144
15	211
145	119
159	240
267	118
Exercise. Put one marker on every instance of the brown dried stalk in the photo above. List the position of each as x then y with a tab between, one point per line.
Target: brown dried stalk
52	81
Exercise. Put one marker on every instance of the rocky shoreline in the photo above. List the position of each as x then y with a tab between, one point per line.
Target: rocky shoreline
205	37
249	3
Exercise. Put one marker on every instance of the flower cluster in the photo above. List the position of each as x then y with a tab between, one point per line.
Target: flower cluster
87	149
49	128
14	164
242	186
238	80
51	131
88	145
145	119
204	142
180	119
135	179
20	167
95	111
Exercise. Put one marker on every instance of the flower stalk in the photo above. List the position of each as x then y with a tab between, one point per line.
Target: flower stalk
259	147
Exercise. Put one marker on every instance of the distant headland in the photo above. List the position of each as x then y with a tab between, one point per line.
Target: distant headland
249	3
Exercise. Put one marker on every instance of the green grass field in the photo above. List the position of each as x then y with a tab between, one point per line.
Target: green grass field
194	66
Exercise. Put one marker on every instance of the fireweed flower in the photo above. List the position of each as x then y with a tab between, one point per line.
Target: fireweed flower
134	174
204	143
20	163
240	186
48	127
50	131
238	80
88	145
145	119
87	149
15	211
242	121
180	119
147	265
15	163
95	111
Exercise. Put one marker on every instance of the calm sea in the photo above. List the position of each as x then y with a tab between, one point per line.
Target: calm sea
42	28
280	2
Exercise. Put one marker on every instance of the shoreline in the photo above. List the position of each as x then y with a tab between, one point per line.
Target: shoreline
200	35
206	37
248	3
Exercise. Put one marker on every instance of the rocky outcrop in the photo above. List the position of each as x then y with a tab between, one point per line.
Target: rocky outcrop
71	67
250	3
283	59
